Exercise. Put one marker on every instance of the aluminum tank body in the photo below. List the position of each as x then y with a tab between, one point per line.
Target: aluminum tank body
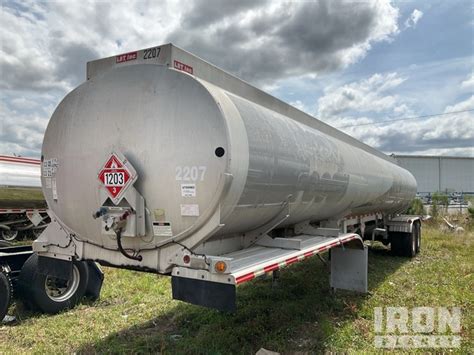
198	149
20	184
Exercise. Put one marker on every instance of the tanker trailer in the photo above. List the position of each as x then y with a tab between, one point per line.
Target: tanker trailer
22	205
164	163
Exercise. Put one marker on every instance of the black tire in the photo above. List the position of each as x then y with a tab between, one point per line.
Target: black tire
9	235
42	292
403	244
6	290
418	237
396	243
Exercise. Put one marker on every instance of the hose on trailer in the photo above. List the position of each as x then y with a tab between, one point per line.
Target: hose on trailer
118	233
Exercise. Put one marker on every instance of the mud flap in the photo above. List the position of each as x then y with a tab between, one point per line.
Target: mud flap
204	293
349	269
94	284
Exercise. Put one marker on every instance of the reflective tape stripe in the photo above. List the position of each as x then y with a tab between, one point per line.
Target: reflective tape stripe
362	215
20	160
289	261
271	267
16	210
244	278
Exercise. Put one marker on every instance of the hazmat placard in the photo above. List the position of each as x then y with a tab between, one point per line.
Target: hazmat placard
115	176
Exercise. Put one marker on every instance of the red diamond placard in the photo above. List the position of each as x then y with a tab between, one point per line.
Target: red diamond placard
115	176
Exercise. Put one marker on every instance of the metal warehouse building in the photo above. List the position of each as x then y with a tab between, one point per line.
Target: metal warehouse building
440	173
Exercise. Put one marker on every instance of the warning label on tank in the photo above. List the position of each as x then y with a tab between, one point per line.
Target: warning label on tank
162	229
188	190
50	166
190	210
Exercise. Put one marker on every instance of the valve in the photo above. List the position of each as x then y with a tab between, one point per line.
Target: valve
119	225
100	212
115	219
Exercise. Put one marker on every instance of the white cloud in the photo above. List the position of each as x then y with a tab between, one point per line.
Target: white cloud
300	106
469	82
22	135
265	41
467	104
345	107
459	152
44	46
23	119
369	95
452	134
413	19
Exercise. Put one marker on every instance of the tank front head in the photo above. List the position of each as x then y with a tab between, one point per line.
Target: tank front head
164	123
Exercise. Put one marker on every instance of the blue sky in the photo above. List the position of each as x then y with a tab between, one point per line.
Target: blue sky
433	57
437	51
347	63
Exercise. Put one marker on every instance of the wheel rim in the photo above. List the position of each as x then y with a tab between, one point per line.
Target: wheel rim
60	290
9	235
413	242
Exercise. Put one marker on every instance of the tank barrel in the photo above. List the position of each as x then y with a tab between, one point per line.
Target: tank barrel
193	155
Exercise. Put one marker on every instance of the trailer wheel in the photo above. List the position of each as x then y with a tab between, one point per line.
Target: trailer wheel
51	294
403	244
6	290
418	237
9	235
395	243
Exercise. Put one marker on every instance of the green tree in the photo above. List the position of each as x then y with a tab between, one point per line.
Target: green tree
440	199
434	209
471	212
416	207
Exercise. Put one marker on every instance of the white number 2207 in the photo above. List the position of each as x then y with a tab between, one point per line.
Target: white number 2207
190	173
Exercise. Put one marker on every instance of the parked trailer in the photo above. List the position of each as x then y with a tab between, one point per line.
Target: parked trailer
22	205
19	277
161	162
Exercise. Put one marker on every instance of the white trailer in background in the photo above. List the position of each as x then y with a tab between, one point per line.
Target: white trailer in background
164	163
22	206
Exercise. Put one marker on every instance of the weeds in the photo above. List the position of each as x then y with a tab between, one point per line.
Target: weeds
136	314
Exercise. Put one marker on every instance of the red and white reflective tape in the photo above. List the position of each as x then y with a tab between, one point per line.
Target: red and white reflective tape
19	210
10	159
295	258
375	214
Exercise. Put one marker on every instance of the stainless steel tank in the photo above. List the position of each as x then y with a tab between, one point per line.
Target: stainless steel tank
20	183
198	149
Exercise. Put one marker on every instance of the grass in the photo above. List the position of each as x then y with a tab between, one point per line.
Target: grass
17	193
18	197
136	313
